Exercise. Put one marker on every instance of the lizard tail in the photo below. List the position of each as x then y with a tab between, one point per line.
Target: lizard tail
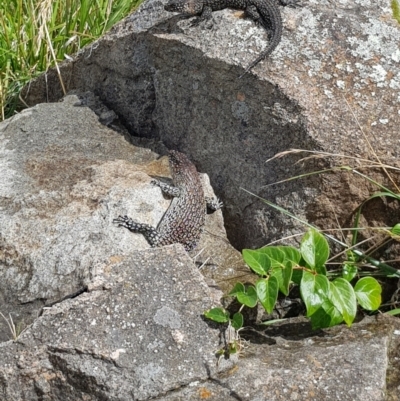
271	20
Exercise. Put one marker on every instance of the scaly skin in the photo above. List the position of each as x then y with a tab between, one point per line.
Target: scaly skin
263	12
184	220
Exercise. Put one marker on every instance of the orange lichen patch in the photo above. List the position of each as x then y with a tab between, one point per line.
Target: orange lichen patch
115	259
204	393
239	14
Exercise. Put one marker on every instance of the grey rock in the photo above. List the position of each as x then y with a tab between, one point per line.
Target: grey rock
173	82
140	337
65	177
333	366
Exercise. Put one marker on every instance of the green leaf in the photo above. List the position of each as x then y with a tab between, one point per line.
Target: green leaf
291	254
343	298
314	289
217	315
283	275
297	275
257	260
237	321
396	229
239	287
267	292
349	271
249	297
275	255
314	249
334	314
326	316
321	270
368	292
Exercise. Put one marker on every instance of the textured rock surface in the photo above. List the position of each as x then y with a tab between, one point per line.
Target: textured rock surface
97	347
168	80
340	364
135	330
135	336
64	178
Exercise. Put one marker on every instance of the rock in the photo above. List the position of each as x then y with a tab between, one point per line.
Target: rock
331	85
112	319
65	177
136	338
333	365
96	347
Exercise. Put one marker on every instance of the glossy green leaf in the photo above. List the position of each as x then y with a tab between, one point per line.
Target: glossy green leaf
291	254
249	297
257	260
349	271
237	321
297	275
368	292
275	255
314	249
343	298
267	292
238	288
326	316
314	290
283	275
217	315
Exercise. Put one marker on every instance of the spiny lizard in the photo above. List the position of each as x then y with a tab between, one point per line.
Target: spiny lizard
184	220
263	12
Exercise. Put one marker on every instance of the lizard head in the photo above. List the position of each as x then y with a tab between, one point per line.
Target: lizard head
189	7
181	167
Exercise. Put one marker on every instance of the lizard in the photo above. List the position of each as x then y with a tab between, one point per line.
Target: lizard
263	12
184	220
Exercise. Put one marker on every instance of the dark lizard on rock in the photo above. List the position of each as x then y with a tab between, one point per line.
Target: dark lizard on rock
184	220
263	12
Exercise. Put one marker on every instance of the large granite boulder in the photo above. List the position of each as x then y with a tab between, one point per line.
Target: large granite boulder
65	177
107	318
332	85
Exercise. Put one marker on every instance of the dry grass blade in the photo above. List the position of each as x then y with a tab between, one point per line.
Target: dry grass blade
317	153
11	326
55	59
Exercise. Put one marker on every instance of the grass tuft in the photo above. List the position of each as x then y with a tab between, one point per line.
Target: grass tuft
37	34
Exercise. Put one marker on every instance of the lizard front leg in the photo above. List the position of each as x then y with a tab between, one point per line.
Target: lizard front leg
167	189
150	233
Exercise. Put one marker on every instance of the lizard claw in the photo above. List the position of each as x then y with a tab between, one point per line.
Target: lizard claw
121	221
213	203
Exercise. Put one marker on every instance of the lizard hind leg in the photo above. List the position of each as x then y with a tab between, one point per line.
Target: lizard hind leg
213	204
150	233
252	12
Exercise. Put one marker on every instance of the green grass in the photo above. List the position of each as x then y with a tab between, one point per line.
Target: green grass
396	10
37	34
